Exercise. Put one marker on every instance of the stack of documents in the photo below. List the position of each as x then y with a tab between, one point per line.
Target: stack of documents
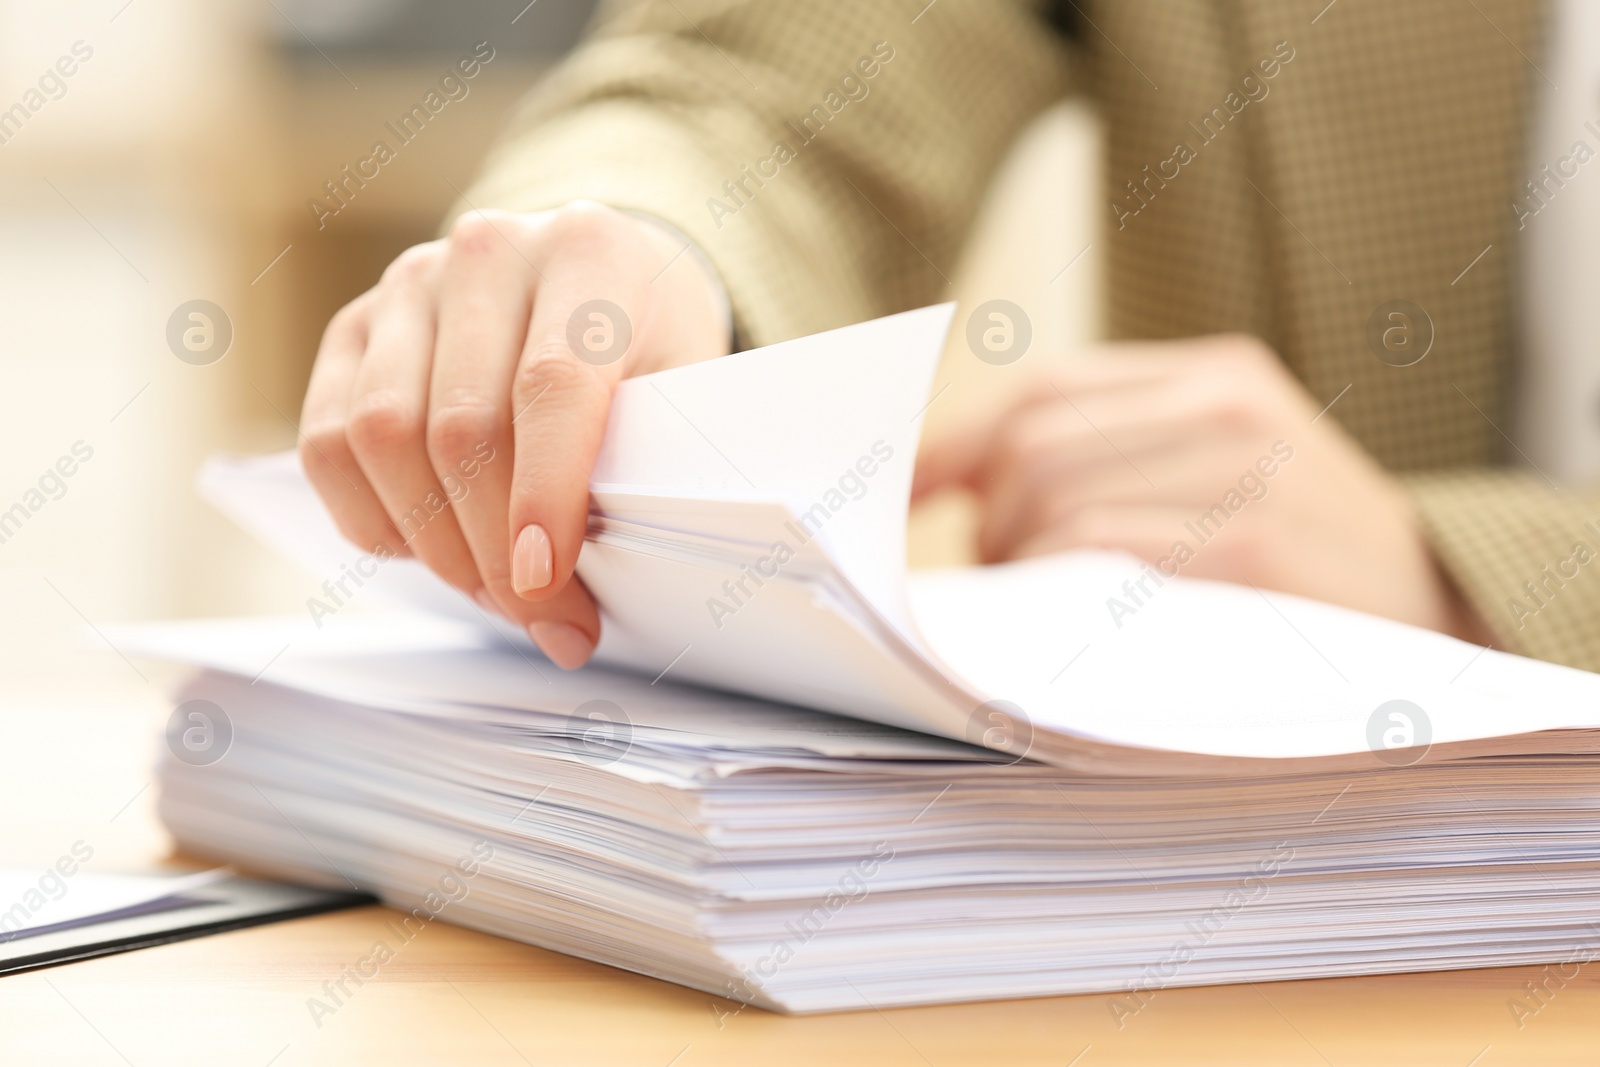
801	778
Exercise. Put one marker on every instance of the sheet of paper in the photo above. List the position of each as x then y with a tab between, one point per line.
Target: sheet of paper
747	534
827	424
1213	668
442	668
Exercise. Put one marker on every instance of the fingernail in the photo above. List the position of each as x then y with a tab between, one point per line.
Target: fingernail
531	566
566	645
486	602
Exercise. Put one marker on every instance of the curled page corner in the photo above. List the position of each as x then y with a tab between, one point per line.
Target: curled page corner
827	425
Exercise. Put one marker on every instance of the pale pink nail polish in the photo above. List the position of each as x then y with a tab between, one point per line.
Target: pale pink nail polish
566	645
531	562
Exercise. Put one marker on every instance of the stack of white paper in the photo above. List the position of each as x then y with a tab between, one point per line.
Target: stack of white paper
1229	785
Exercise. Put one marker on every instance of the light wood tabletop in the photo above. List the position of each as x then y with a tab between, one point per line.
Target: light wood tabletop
74	766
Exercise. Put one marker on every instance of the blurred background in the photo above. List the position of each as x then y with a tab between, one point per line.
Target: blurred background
176	164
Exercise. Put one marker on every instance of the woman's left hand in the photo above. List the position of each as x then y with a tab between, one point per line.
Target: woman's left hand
1206	458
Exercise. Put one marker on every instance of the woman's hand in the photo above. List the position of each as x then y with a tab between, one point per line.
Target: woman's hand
1203	457
456	408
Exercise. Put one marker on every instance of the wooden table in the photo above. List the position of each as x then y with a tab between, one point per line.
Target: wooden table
74	765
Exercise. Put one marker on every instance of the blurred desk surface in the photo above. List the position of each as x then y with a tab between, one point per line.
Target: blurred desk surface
74	765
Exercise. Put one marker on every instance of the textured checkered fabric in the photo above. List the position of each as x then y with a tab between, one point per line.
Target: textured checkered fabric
1282	167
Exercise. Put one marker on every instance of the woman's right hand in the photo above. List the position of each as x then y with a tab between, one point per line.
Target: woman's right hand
457	407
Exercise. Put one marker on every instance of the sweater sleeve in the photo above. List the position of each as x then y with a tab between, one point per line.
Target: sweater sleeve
1525	554
826	157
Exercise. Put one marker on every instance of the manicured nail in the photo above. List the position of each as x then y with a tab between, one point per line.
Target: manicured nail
531	565
486	602
566	645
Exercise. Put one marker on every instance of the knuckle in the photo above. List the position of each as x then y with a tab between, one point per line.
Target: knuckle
347	321
584	224
585	215
1233	412
323	446
477	233
1229	404
381	423
413	266
549	366
345	317
460	425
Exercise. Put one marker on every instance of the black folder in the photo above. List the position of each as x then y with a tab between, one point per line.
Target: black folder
230	903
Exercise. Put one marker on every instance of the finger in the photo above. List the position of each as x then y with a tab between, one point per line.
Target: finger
485	298
1041	479
589	287
951	459
1148	417
589	323
388	417
1227	381
568	627
485	304
1037	461
1152	532
961	457
325	453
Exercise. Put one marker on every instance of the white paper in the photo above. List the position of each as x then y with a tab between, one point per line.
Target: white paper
708	470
